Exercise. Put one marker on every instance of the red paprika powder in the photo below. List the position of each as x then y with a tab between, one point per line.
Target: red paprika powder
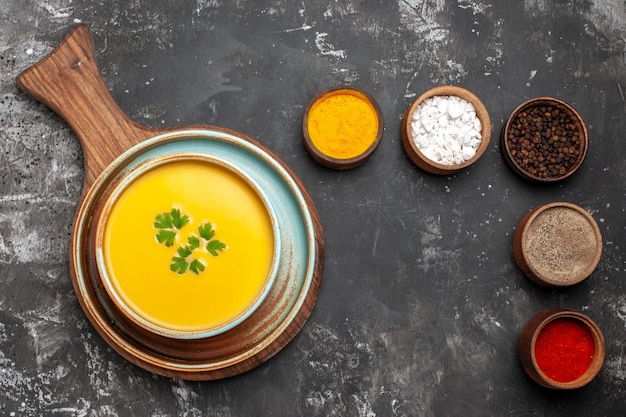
564	349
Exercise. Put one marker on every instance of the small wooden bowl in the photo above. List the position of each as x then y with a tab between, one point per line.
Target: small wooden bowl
557	244
529	171
422	160
528	339
351	160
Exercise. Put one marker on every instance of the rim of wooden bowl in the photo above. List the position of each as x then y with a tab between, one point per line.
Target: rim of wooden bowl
528	339
341	163
520	249
574	115
426	163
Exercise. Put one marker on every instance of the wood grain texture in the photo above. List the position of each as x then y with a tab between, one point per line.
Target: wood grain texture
69	82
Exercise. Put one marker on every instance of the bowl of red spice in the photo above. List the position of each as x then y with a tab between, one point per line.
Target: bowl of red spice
342	127
561	349
445	130
544	140
557	244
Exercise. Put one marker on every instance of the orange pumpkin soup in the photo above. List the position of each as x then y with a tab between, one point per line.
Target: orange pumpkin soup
187	246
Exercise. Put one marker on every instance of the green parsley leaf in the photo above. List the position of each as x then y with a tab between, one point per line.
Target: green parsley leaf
193	242
206	231
196	266
163	221
179	265
184	251
166	236
177	220
214	246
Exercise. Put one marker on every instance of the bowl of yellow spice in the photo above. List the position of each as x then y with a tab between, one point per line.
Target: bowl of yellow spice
342	127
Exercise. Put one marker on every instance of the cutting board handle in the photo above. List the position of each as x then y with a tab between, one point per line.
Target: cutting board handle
69	82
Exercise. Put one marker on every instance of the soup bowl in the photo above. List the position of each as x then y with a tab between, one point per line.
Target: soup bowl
187	246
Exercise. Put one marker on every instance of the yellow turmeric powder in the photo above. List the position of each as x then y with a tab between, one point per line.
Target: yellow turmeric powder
343	124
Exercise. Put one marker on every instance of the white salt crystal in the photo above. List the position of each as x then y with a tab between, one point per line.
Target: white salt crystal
446	129
442	106
468	152
477	125
428	124
455	110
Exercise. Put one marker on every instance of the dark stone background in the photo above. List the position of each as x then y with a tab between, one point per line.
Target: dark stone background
422	302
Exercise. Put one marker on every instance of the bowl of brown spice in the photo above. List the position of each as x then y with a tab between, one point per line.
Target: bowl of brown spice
557	244
544	140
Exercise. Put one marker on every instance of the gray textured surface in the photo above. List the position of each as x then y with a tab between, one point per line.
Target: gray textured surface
422	303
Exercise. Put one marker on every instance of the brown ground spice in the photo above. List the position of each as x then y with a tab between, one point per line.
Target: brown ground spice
560	244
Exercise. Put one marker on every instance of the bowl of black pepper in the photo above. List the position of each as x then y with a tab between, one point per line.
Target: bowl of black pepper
544	140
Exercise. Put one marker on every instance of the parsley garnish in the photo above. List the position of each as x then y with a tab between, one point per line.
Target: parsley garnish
206	231
178	221
167	237
169	224
163	221
193	242
196	266
184	251
178	265
214	246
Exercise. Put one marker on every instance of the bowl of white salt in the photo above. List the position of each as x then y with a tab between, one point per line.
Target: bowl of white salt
446	130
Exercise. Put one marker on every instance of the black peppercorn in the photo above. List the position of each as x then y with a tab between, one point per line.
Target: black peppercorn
544	141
